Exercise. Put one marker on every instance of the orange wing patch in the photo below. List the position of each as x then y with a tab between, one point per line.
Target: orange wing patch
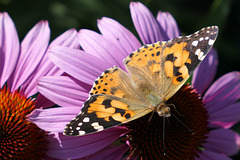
109	108
146	56
176	57
108	83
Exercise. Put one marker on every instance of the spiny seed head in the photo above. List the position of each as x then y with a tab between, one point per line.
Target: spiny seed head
19	138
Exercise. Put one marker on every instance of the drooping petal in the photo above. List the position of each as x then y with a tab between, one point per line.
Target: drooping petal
110	152
53	119
223	92
46	66
97	45
9	47
167	25
33	48
119	35
63	91
64	147
205	73
226	117
145	23
81	65
222	141
207	155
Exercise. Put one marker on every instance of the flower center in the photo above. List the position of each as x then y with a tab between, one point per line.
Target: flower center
19	138
176	138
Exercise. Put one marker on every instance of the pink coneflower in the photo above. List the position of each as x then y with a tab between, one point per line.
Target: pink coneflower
20	67
209	111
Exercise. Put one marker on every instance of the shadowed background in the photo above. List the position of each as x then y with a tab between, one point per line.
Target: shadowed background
190	16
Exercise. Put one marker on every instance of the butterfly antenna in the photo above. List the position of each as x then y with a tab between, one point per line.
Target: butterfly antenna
164	150
182	123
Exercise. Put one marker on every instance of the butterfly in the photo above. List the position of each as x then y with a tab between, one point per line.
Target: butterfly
155	73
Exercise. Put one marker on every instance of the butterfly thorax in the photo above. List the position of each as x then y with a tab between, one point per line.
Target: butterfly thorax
159	105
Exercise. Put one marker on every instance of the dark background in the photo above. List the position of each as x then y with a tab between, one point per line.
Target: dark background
191	15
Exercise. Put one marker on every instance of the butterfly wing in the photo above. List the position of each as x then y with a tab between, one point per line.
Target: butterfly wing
167	65
112	101
103	111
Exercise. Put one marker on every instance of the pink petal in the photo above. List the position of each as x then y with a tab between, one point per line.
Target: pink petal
46	66
223	92
145	23
9	47
207	155
63	91
53	119
167	25
97	45
81	65
221	141
207	68
110	152
64	147
119	35
228	115
43	102
33	48
68	39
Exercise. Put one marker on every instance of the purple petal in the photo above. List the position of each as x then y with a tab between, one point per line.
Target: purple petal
53	119
207	155
119	35
63	91
228	115
97	45
46	66
223	92
167	25
64	147
205	73
222	141
145	23
33	48
43	102
9	47
68	39
81	65
110	152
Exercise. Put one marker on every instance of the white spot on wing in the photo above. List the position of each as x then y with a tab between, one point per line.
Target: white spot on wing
86	119
201	39
210	42
81	132
195	43
199	53
80	124
201	58
206	38
97	126
77	128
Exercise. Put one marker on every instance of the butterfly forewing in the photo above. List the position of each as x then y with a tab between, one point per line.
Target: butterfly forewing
167	65
182	55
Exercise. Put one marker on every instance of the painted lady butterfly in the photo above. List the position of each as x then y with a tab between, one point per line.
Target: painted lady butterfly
156	72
